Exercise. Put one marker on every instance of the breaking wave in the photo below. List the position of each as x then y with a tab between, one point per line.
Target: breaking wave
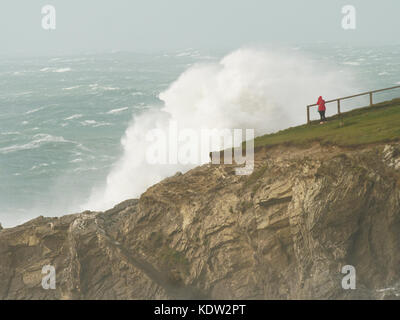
265	90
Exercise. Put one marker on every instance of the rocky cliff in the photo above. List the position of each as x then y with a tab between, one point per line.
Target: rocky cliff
284	232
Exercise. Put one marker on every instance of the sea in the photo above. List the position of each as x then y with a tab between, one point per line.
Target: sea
65	121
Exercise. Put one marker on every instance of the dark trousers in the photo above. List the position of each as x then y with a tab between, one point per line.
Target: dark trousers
322	115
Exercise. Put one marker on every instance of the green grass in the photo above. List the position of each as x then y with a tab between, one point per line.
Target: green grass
379	123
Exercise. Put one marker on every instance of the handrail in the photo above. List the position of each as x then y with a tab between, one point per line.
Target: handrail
349	97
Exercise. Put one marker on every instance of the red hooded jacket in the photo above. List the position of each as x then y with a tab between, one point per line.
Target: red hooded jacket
321	104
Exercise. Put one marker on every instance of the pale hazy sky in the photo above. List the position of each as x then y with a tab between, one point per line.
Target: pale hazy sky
154	25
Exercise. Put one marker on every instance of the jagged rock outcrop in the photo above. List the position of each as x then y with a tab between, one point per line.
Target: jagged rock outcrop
284	232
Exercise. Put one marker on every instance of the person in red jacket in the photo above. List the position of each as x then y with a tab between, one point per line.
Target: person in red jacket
321	109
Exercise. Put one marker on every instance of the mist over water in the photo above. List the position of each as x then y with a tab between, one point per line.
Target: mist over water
73	129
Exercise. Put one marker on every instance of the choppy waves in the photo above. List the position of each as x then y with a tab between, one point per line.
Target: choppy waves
37	141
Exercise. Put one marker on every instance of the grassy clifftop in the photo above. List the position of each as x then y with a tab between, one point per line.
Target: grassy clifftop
379	123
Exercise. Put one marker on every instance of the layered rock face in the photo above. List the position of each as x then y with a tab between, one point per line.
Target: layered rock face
284	232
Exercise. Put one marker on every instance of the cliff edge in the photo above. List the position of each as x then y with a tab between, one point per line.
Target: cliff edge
284	232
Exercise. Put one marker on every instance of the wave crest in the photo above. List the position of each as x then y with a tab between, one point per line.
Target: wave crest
250	88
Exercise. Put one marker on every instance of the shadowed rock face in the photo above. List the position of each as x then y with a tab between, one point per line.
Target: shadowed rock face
284	232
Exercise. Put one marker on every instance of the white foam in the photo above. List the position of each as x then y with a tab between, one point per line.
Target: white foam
119	110
183	54
94	123
255	89
71	88
74	116
109	88
57	70
11	133
34	110
24	93
76	160
137	93
38	140
62	70
96	86
39	166
351	63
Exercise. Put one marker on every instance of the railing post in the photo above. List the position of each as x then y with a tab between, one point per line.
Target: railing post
370	99
308	114
338	106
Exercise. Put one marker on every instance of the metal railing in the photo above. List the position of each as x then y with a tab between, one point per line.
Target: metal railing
370	93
